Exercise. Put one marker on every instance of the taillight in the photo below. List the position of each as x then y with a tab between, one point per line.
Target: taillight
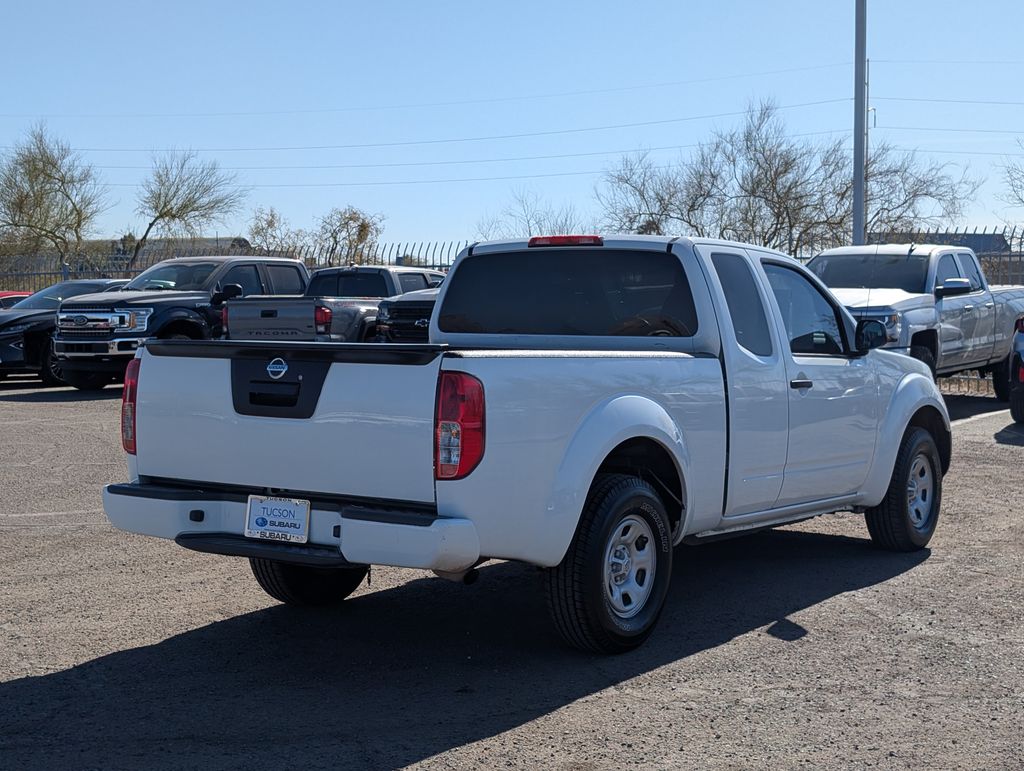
322	319
459	428
566	241
224	321
131	390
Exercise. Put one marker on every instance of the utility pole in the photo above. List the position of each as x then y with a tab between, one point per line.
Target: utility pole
860	83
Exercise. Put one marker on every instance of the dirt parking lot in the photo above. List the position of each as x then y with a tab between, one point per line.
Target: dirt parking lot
798	647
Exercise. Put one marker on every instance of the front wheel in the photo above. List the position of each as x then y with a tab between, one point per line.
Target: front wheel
306	586
1017	405
608	591
51	372
906	518
923	353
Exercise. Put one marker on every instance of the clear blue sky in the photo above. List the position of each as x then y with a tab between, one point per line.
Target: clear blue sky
150	76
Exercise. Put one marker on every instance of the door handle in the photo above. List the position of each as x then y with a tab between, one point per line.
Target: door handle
801	383
968	309
990	305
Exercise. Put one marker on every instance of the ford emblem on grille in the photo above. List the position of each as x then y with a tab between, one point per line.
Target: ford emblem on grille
79	321
422	323
277	368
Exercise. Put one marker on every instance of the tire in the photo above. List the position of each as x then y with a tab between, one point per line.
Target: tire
87	381
1001	380
923	353
899	523
623	527
306	586
50	371
1017	405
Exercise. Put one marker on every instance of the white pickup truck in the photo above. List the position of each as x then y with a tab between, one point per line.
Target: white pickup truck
935	302
635	393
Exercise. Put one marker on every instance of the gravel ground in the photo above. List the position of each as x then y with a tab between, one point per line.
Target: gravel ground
798	647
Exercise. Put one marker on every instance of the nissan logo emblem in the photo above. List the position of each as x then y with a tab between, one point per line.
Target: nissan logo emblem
277	368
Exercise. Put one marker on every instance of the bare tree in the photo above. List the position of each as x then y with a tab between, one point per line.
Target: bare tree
1013	178
271	233
529	215
757	183
185	194
49	194
348	234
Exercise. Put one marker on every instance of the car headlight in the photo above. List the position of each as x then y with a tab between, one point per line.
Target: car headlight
137	319
893	325
384	313
17	328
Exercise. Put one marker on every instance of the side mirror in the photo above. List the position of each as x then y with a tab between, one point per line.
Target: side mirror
229	292
952	287
870	334
435	283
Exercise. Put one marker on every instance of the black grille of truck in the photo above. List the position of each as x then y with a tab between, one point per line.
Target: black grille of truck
410	322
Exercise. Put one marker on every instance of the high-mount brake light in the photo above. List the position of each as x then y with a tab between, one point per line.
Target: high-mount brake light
322	318
566	241
459	427
128	399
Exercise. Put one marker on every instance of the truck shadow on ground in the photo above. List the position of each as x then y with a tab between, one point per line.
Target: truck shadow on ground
400	675
1012	434
962	406
19	392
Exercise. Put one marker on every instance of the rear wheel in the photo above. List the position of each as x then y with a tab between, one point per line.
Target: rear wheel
607	593
86	381
306	586
906	518
1001	380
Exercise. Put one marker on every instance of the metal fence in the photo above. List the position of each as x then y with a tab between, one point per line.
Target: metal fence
31	273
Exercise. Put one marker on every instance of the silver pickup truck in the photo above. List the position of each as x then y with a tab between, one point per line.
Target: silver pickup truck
935	302
340	305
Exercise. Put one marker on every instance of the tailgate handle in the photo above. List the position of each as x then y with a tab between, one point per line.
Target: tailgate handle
271	314
274	394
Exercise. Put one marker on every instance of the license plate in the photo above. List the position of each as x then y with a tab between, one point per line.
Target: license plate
277	519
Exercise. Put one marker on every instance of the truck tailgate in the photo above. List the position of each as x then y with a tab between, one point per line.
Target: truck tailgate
272	318
345	419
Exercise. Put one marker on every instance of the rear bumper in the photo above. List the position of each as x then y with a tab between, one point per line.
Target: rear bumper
339	533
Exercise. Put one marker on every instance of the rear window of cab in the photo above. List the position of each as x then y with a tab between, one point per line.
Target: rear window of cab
573	292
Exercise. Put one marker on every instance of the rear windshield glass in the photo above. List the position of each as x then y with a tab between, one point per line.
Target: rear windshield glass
367	284
872	271
575	291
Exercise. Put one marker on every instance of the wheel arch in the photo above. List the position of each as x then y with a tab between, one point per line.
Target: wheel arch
620	434
915	402
183	322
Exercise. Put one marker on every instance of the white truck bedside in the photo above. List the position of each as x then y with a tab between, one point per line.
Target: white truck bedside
636	393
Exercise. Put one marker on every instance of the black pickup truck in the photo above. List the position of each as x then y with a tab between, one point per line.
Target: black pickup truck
340	305
98	334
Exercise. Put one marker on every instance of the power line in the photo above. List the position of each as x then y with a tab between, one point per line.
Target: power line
421	105
955	130
945	101
420	181
947	61
410	143
406	164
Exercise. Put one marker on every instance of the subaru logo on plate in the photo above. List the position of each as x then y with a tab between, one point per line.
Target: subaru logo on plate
422	323
277	368
261	521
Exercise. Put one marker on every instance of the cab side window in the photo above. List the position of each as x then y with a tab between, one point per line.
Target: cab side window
971	271
745	307
411	282
946	269
246	276
812	323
